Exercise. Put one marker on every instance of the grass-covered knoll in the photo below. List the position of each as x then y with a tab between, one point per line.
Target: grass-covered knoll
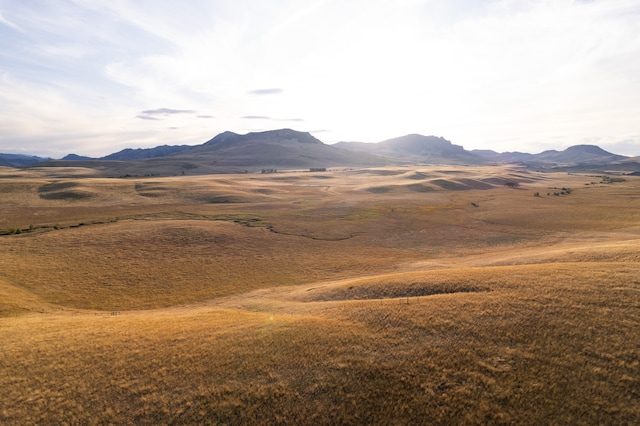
532	350
409	285
309	298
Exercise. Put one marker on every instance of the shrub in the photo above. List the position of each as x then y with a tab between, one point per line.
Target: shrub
609	179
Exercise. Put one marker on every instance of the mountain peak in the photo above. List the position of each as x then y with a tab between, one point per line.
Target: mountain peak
228	138
588	149
288	134
417	148
222	138
423	145
283	148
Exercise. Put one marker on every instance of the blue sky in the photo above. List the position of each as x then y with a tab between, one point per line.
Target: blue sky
93	77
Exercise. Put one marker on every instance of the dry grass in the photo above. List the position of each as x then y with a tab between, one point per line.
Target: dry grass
158	263
306	298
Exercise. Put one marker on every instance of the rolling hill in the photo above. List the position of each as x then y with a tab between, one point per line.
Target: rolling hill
383	295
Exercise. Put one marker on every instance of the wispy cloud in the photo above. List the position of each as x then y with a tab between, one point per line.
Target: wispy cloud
262	92
10	24
483	74
255	117
168	111
154	114
264	117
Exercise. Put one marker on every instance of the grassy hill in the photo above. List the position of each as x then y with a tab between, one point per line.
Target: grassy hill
376	295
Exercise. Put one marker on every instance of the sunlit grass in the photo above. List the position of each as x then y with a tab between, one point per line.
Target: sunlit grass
331	304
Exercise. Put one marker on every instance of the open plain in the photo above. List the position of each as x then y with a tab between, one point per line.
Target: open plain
399	295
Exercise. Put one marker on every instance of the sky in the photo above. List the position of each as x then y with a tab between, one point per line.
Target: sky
93	77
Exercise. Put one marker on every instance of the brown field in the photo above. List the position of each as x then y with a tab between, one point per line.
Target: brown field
417	295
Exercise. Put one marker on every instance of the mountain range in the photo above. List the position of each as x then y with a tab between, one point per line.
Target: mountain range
20	160
230	152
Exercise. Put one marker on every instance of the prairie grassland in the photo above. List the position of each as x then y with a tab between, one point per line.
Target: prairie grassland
387	296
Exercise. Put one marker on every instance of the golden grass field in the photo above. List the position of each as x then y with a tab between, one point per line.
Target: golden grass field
415	295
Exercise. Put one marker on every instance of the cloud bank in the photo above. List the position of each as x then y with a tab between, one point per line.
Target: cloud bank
79	76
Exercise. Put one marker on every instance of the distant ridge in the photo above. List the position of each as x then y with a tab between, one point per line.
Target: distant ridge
19	160
230	152
417	148
504	157
143	153
129	154
580	154
75	157
226	138
574	155
284	148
